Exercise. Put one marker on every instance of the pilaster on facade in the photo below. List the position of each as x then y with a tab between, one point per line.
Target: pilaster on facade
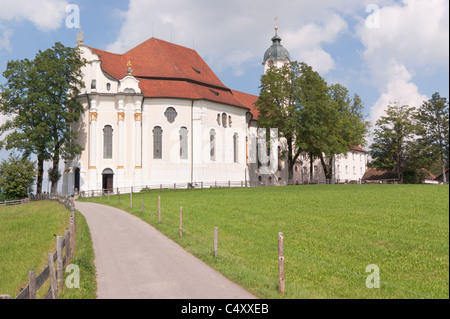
121	137
138	178
93	141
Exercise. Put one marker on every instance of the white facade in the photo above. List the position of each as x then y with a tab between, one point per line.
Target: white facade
131	138
133	118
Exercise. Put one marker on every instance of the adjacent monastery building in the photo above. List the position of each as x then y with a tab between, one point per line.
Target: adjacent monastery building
158	114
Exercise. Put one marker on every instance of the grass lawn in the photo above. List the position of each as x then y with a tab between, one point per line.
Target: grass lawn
332	233
84	259
26	237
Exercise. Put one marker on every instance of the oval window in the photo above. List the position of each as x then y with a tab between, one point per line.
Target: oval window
171	115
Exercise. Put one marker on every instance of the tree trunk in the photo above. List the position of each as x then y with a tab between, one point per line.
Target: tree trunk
327	168
290	163
54	178
444	176
311	166
40	175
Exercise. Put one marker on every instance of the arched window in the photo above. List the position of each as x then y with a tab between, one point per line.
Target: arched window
212	141
183	143
236	147
224	120
157	142
108	86
279	158
171	115
257	154
107	142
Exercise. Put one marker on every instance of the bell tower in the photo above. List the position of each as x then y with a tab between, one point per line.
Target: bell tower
276	55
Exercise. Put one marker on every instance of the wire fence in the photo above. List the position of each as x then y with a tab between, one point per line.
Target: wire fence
194	185
301	267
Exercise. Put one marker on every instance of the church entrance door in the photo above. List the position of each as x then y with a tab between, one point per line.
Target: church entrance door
77	180
108	181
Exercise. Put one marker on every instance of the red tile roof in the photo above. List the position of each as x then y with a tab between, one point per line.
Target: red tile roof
357	148
248	100
172	71
429	174
372	174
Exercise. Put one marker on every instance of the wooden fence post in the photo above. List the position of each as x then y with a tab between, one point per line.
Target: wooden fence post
74	221
181	221
31	284
216	239
53	285
159	208
67	242
72	235
59	261
281	263
131	197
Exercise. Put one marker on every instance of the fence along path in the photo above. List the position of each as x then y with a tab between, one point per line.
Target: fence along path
201	235
14	202
65	248
134	260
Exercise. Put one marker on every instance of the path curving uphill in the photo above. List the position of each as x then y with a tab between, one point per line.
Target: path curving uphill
135	261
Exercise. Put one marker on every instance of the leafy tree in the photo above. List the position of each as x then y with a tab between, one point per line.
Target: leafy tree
16	177
394	140
40	96
279	107
433	143
343	125
20	100
311	116
314	113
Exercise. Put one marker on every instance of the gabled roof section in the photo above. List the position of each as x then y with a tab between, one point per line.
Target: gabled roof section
168	70
248	100
375	174
357	148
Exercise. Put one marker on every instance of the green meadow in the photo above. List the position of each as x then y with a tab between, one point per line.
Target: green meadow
332	233
27	236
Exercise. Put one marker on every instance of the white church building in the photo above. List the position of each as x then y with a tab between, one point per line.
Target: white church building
158	115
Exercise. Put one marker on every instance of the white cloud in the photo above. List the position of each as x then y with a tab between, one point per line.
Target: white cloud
46	15
5	36
398	89
307	41
411	35
416	32
235	34
220	29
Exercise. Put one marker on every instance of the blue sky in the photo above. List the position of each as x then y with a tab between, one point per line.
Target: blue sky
386	51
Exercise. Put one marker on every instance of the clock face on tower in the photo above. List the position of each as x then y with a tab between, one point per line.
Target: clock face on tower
270	62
